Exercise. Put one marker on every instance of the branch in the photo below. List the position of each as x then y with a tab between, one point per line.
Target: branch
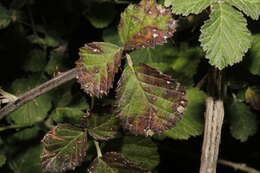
39	90
238	166
214	116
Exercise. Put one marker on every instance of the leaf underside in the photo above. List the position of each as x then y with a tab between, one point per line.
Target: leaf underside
149	101
186	7
224	36
145	25
64	148
113	162
97	66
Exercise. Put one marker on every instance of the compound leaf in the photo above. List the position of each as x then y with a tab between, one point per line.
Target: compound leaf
186	7
192	122
242	121
97	66
249	7
149	101
114	162
145	25
224	36
103	127
141	151
64	148
35	110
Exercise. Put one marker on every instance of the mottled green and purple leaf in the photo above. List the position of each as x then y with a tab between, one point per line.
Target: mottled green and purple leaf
64	148
148	101
145	25
113	162
98	63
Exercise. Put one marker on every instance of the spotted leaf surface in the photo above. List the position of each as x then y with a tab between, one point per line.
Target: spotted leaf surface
149	101
103	127
64	148
113	162
145	25
97	66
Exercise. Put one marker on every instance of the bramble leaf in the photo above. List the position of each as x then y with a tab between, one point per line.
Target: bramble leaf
2	160
145	25
149	101
64	148
5	18
249	7
254	55
252	96
98	63
186	7
27	161
34	111
242	121
224	36
100	16
36	61
103	127
111	35
113	162
192	122
141	151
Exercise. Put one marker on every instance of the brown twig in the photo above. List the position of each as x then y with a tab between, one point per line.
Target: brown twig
39	90
238	166
214	116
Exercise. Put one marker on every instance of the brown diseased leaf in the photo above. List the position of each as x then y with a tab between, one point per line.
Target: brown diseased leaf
113	162
64	148
145	25
149	101
97	66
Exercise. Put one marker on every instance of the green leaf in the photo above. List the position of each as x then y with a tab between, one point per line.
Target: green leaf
5	18
103	127
100	16
224	36
161	57
2	160
186	7
28	161
145	25
192	122
70	109
242	121
111	35
97	66
181	62
26	134
253	60
64	148
149	101
141	151
50	39
250	7
113	162
252	96
34	111
57	60
36	61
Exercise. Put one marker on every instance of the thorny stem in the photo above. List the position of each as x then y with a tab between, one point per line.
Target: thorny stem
99	153
238	166
37	91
